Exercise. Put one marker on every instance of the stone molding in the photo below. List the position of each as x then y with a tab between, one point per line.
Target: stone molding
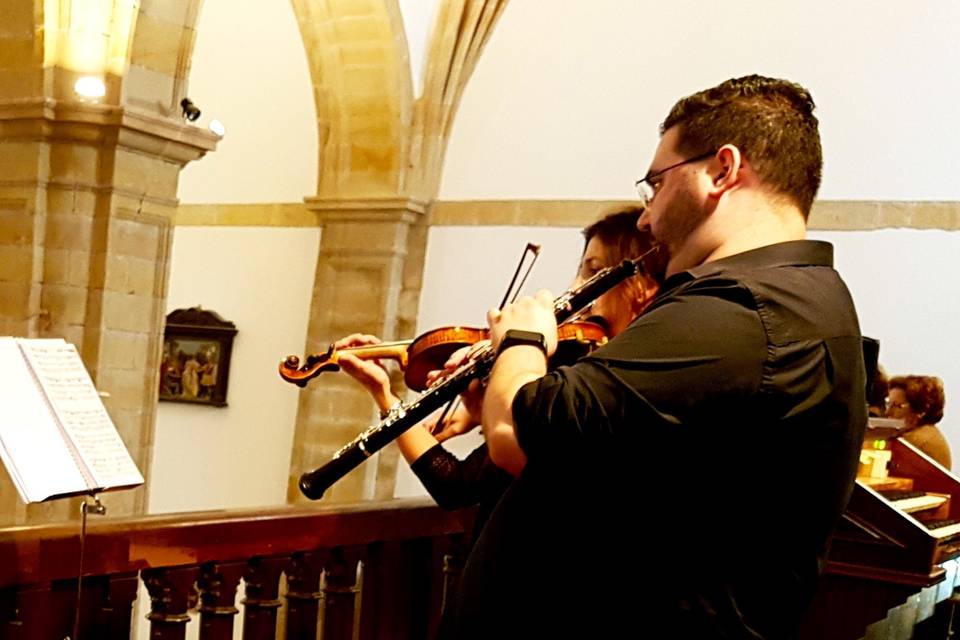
330	210
95	123
828	215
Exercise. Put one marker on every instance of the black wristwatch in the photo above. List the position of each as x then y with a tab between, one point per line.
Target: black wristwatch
514	337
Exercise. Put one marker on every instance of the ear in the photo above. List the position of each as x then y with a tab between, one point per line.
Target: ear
725	170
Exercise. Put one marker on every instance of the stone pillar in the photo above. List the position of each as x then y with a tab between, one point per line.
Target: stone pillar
368	276
87	199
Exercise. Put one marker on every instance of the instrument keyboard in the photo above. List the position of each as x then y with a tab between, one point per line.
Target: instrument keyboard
897	544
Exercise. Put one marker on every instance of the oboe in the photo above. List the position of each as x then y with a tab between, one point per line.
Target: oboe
313	484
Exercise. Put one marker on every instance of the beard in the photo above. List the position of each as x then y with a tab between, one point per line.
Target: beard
679	218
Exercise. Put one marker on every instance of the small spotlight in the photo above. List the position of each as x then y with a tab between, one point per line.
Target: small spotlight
90	87
217	127
190	111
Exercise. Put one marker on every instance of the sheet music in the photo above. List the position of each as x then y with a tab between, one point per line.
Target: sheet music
31	444
71	393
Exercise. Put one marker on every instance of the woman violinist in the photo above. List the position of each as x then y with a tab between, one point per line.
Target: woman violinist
476	480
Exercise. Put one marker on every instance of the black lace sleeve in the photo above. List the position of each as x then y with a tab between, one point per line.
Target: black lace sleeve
455	483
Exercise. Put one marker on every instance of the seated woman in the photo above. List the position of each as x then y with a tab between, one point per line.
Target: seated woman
918	401
476	480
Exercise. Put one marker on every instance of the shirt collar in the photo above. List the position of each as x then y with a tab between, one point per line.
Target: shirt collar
816	253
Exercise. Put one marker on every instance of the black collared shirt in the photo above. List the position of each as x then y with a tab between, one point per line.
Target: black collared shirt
702	456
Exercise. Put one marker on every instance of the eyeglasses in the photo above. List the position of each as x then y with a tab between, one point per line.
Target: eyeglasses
648	185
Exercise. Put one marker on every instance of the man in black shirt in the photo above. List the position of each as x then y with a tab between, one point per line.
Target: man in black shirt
682	481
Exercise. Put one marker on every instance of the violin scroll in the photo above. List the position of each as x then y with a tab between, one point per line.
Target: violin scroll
317	363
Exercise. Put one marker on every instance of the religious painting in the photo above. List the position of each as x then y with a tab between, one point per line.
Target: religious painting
195	365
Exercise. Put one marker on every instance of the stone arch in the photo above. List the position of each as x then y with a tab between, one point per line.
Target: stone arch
376	140
159	55
357	53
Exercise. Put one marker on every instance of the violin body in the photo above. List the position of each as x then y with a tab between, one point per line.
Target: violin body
430	350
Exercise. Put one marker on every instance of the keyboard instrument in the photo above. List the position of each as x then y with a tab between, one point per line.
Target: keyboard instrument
895	553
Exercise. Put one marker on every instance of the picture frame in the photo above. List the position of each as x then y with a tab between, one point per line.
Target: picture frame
195	362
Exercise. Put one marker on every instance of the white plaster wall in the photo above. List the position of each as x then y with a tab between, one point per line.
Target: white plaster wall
418	17
238	456
566	100
250	72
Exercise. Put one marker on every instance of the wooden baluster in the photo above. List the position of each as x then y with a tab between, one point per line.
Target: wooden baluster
40	611
218	592
303	593
395	592
8	613
453	561
113	607
172	595
47	610
262	600
376	599
340	593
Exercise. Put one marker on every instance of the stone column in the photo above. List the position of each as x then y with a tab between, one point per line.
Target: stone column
368	276
87	199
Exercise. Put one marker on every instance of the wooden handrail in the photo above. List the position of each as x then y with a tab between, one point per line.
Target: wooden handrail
36	554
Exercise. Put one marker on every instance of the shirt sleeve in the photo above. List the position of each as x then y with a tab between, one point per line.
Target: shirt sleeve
694	354
452	482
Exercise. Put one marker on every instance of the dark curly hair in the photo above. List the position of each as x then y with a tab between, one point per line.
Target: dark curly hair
770	121
924	395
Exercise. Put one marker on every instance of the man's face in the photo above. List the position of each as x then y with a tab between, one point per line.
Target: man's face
676	210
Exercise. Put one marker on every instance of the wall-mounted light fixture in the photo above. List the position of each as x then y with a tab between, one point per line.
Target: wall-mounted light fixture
190	111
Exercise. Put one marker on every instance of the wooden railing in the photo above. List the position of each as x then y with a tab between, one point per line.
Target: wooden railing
404	549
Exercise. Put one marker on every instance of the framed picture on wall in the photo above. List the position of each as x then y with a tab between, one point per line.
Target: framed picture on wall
195	366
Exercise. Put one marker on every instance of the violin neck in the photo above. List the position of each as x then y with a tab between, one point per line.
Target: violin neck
383	351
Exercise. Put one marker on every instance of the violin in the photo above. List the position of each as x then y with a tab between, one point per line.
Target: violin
429	351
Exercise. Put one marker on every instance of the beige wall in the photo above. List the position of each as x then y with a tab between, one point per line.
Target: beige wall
250	72
239	455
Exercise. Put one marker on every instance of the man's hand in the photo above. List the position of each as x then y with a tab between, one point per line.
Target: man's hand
529	314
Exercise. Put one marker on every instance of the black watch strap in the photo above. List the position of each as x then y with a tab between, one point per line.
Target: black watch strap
514	337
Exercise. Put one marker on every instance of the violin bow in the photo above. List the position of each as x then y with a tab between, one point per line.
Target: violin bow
531	248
